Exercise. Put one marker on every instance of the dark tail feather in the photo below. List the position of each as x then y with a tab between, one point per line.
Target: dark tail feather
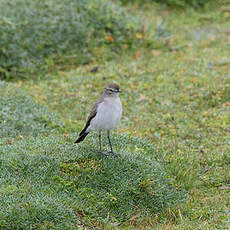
81	137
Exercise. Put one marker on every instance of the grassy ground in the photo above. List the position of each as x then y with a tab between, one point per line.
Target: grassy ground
176	93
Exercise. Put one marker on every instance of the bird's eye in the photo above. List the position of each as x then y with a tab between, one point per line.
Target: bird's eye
111	90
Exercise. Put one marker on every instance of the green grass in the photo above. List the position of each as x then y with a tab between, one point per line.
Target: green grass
174	3
49	182
37	35
175	94
21	116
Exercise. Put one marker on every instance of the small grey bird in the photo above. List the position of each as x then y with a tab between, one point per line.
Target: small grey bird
105	114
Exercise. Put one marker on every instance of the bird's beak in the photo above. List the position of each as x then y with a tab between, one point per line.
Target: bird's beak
119	91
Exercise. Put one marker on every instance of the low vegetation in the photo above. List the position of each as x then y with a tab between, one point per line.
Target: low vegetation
36	35
175	3
173	140
21	116
49	182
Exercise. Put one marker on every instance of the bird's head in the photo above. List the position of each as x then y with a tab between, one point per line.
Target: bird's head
112	89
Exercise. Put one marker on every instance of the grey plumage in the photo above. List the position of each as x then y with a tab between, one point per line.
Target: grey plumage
104	115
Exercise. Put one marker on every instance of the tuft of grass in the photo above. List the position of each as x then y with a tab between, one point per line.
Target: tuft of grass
176	3
20	116
50	182
36	35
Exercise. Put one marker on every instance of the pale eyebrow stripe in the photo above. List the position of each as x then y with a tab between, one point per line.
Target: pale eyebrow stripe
111	89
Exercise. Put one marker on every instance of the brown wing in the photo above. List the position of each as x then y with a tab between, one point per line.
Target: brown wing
91	115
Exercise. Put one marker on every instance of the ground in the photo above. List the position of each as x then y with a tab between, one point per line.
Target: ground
176	94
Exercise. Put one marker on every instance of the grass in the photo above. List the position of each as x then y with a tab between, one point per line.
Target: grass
175	87
21	116
57	32
175	3
49	182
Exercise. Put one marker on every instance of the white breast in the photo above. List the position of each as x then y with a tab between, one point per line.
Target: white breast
108	114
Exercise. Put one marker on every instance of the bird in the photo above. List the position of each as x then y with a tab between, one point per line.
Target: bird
104	116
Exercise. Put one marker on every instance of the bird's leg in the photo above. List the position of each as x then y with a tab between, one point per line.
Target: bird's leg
110	144
99	135
111	147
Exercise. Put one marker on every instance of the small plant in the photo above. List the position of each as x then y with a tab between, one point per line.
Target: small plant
38	34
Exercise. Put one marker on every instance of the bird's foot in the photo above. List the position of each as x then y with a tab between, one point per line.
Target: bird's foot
102	154
114	154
